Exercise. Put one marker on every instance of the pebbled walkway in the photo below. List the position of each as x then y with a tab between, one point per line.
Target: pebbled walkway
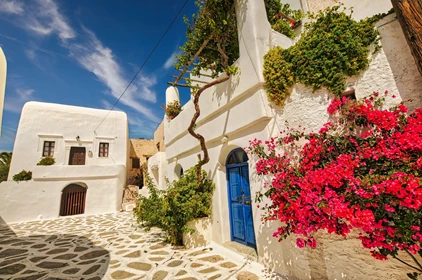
110	246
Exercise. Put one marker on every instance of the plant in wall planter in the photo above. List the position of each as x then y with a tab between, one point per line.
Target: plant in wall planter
173	109
283	19
23	176
47	161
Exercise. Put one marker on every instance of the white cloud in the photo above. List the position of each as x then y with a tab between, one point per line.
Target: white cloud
24	94
140	128
100	60
30	54
11	7
144	84
170	61
48	20
106	105
15	103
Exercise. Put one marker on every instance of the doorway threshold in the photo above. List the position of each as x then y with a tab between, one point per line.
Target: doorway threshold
246	251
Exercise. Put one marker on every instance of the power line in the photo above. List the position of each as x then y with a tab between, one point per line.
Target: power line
145	62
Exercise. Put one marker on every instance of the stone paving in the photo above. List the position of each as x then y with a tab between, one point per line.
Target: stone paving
110	246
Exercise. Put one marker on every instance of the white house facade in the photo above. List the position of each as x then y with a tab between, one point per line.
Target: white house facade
234	112
90	149
3	71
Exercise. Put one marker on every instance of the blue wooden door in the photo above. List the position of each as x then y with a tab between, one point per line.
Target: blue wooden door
241	220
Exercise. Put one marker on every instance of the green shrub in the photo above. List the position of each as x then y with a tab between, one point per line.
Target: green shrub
278	74
22	176
47	161
170	210
332	47
5	159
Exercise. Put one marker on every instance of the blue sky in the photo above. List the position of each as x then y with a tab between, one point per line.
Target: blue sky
84	53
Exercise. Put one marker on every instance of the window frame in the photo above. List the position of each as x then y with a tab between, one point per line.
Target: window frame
51	148
101	150
138	163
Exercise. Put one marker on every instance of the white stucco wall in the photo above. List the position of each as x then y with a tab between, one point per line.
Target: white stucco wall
40	198
41	122
157	169
104	177
3	72
240	111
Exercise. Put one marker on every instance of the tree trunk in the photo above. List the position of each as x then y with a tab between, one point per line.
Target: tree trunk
409	14
191	128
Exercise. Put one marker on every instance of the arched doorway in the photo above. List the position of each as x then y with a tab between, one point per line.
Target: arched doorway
73	200
239	194
178	171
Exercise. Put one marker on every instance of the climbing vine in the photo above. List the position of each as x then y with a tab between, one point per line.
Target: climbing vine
332	47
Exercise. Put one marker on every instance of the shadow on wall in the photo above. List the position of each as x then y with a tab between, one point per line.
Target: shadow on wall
407	77
285	257
57	256
200	237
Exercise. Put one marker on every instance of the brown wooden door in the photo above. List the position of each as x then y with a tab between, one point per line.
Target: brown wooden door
73	200
77	156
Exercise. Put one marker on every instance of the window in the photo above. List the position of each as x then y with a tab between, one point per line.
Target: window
103	152
135	163
158	146
48	150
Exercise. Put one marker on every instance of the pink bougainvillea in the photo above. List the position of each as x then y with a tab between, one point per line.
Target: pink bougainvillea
361	171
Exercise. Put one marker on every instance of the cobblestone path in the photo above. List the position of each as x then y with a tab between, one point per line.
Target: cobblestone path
110	246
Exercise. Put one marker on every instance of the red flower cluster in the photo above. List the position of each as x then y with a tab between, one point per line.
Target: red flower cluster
173	109
361	172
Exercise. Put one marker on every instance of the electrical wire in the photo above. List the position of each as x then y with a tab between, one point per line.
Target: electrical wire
145	62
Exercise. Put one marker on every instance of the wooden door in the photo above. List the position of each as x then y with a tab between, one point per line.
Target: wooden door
236	205
241	219
77	156
73	200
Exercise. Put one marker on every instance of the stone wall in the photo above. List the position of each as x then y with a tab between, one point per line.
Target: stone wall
141	149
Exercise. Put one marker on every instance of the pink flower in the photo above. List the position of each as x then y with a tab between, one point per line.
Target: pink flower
388	208
300	243
378	256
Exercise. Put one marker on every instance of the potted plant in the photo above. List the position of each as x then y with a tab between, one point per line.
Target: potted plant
173	109
23	176
47	161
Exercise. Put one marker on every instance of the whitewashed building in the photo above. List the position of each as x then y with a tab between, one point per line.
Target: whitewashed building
90	170
238	110
3	71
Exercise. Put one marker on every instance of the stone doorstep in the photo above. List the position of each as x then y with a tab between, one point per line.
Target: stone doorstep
128	206
243	250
